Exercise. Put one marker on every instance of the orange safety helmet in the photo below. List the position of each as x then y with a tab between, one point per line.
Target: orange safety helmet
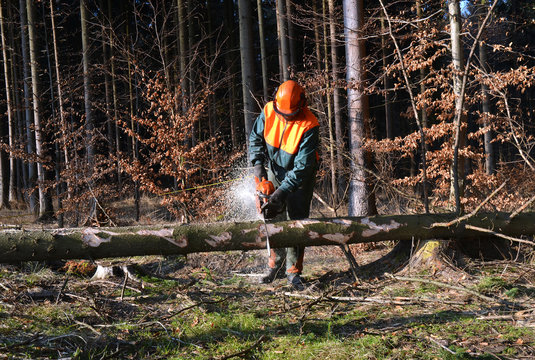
290	98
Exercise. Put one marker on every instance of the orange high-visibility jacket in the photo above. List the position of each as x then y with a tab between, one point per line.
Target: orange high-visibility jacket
290	147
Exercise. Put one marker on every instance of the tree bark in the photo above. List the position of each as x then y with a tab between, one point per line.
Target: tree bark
337	102
457	168
247	64
96	243
330	126
6	195
43	201
361	199
263	54
87	83
485	107
229	25
284	47
63	121
30	140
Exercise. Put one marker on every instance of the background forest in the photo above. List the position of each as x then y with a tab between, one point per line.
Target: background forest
424	106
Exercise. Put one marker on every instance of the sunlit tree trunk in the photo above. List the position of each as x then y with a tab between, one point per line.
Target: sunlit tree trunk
387	83
332	144
457	169
263	59
9	195
63	121
43	202
361	199
247	64
49	205
30	141
284	47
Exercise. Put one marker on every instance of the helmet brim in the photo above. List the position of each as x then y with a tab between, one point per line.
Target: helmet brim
280	112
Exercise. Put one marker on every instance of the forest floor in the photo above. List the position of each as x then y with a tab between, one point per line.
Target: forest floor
209	306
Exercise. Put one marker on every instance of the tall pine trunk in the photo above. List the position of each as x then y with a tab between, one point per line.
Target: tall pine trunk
263	59
284	47
247	64
330	124
89	126
361	199
228	23
6	195
30	141
457	168
43	201
485	107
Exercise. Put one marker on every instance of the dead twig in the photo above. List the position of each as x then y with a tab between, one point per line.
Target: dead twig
453	287
193	306
62	289
476	210
522	208
398	300
440	345
476	228
124	285
353	265
243	352
4	287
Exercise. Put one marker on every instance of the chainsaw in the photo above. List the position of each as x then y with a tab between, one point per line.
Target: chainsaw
264	189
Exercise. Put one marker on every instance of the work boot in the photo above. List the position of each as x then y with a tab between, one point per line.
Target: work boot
296	282
272	274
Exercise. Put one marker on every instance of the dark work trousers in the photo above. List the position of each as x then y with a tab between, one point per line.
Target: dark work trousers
297	208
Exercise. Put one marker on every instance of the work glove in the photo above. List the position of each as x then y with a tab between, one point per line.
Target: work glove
259	172
275	205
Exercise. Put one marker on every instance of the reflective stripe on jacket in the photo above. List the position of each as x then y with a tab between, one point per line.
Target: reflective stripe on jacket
289	146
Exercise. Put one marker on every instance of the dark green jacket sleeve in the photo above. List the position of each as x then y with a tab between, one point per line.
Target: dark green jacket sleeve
257	144
305	162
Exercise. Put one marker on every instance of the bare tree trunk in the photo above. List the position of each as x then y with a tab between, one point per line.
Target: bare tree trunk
291	34
317	41
6	196
89	126
334	189
361	199
30	141
115	100
263	59
107	87
387	84
229	60
485	104
247	64
284	56
457	169
422	70
337	103
43	208
49	205
63	121
18	178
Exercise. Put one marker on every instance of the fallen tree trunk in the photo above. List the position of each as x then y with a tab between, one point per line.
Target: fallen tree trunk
96	243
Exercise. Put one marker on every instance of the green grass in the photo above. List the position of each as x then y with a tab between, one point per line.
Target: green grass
234	314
